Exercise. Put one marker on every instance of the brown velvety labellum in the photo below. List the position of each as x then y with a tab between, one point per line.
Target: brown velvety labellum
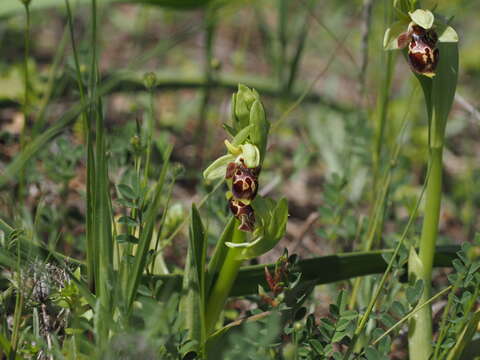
244	181
244	213
423	55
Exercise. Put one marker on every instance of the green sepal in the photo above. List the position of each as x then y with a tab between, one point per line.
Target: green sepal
251	155
218	168
424	18
271	218
390	39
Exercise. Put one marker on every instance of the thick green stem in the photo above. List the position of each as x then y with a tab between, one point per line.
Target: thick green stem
420	333
226	278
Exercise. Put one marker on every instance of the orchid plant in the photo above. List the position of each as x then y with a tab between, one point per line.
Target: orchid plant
433	57
259	222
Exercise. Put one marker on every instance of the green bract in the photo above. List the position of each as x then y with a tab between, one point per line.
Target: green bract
421	17
247	153
242	102
272	219
218	168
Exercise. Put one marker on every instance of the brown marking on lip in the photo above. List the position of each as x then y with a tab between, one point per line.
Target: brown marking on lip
423	55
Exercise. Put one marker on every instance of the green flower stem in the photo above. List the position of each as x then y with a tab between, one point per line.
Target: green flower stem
26	106
420	338
226	278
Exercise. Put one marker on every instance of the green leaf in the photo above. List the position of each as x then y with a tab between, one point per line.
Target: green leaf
444	85
398	309
387	320
385	345
339	335
372	354
127	220
193	304
127	192
126	203
424	18
147	232
219	254
126	238
414	292
316	346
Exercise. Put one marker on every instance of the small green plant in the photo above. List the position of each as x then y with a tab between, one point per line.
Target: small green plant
264	220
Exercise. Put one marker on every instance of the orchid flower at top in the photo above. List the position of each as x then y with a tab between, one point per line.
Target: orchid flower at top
419	31
240	167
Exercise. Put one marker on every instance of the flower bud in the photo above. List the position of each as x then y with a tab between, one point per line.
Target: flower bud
136	143
150	80
242	102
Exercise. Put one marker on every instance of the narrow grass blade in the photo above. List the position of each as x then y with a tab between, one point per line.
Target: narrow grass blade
465	337
147	232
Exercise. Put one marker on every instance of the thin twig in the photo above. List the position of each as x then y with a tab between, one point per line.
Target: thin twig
367	21
467	106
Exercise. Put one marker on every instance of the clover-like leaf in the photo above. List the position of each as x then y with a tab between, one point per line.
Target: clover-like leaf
423	18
